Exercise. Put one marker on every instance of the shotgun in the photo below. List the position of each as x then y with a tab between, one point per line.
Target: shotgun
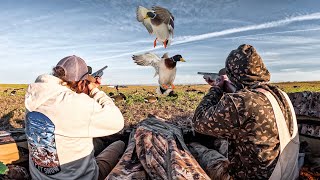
213	76
99	73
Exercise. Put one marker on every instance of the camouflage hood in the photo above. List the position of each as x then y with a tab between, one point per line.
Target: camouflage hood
245	67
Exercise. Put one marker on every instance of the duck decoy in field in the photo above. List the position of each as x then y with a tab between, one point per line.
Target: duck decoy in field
173	94
191	90
151	98
158	21
119	97
201	92
165	67
13	92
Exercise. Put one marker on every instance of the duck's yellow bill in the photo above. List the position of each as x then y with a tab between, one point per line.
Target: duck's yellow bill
182	60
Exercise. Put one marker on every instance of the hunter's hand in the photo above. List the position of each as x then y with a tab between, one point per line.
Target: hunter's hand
95	84
224	83
208	79
221	81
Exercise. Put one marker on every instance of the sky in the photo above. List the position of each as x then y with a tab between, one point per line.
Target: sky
36	34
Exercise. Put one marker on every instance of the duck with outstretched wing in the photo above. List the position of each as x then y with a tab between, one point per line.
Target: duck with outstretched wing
165	67
158	21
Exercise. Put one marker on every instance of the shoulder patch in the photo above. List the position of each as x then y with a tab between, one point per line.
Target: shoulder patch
41	140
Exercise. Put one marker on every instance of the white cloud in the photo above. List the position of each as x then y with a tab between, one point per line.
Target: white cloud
295	76
290	70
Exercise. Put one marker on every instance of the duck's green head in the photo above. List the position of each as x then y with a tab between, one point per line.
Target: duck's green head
177	58
151	15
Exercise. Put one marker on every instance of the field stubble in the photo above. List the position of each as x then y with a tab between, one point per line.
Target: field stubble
134	108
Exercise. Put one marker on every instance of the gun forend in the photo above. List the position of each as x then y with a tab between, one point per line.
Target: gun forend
206	73
99	73
212	76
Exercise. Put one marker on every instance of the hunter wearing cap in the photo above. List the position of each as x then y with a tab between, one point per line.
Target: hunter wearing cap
65	111
256	118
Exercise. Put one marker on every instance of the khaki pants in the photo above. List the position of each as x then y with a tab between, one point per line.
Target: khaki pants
109	157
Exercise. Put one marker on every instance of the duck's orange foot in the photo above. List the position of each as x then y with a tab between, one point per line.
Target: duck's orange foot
155	43
165	86
172	86
165	43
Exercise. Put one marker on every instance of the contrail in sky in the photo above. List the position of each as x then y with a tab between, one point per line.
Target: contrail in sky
272	24
187	39
271	33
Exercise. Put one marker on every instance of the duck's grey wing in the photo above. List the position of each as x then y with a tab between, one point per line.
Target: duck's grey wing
147	24
148	59
166	16
165	56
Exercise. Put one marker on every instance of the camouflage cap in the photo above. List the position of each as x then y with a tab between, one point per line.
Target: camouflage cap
245	67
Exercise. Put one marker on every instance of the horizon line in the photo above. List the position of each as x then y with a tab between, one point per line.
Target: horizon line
175	84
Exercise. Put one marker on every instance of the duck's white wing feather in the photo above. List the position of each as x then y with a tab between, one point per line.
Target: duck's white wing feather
148	59
141	14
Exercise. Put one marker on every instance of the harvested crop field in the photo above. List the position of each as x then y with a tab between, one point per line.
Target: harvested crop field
178	109
134	108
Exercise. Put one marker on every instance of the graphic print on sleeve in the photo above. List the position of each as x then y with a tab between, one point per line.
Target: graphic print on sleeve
41	140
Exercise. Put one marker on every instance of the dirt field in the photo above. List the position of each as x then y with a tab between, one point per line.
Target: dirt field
134	108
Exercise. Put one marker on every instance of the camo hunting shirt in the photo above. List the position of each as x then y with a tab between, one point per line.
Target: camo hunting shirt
245	117
247	120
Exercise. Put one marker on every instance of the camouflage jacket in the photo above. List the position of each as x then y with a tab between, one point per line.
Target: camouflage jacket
246	118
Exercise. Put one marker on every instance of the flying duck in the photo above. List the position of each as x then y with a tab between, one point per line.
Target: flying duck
165	67
158	21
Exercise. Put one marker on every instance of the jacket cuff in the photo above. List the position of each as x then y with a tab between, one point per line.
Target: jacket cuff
216	89
93	92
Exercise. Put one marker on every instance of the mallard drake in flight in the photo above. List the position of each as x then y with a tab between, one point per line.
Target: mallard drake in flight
158	21
165	67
